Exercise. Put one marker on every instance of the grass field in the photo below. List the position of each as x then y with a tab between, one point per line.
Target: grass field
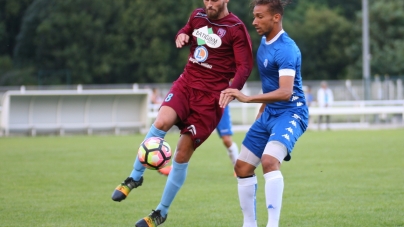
335	178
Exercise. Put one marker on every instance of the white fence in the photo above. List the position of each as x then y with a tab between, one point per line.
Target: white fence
243	114
115	110
63	111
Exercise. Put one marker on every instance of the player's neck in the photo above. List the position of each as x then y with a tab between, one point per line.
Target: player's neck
223	14
273	33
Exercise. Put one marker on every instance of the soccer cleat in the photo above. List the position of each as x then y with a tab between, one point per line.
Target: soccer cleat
122	191
152	220
165	170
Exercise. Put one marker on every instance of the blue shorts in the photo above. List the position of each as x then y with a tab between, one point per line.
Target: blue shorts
285	126
224	126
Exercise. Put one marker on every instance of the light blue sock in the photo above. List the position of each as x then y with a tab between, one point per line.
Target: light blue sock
175	181
138	168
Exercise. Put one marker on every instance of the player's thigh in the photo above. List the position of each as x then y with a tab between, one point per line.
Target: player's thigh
257	138
177	99
166	118
288	127
205	114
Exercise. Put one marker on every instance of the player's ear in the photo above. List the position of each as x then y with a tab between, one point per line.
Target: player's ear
277	17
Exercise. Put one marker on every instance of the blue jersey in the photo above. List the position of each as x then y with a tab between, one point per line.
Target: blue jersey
281	54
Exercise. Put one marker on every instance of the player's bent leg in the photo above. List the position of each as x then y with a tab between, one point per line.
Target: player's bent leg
174	183
272	158
247	185
164	121
175	180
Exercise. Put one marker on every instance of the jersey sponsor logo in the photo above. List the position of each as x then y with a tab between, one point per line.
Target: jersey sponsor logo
192	129
201	54
221	32
206	65
206	36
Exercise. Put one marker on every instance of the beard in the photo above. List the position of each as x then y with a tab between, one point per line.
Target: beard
214	14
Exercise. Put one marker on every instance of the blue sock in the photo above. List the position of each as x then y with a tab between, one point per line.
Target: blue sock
138	168
175	181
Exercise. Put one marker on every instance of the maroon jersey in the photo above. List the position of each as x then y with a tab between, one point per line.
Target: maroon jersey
220	50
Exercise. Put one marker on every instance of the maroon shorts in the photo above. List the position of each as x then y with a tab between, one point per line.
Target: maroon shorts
198	110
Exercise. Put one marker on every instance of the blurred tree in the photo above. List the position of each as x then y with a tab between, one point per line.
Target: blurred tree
128	41
111	41
386	32
321	31
11	12
322	36
345	8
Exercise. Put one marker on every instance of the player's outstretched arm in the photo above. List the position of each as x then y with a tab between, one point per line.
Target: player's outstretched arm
229	95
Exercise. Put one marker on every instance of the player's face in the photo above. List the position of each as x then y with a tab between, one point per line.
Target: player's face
215	9
264	22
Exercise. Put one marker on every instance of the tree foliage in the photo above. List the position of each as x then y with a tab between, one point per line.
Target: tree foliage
322	35
115	41
132	41
386	32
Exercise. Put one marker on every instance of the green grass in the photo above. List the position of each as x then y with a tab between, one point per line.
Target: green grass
335	178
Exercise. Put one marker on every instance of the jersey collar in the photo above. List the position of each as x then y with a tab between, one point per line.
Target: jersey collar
274	38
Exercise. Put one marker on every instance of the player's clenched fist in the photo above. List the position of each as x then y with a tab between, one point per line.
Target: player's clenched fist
182	39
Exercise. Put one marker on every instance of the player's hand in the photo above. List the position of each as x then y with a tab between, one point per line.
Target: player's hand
234	93
225	99
182	40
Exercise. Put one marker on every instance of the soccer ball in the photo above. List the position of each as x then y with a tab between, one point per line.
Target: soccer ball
154	153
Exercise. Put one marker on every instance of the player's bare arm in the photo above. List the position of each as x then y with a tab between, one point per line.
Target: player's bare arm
283	93
182	40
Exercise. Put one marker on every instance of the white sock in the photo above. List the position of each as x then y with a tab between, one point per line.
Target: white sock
247	190
233	153
273	195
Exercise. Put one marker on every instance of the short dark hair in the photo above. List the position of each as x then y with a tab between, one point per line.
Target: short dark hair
274	6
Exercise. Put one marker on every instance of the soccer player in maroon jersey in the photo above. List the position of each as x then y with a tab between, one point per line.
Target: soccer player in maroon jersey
220	49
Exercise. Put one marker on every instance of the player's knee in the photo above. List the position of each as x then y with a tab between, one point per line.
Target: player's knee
163	123
270	163
243	169
166	118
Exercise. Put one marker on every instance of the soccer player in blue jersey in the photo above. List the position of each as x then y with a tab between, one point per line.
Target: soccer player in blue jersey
283	116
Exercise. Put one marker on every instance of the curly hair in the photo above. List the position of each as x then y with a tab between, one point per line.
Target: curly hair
274	6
